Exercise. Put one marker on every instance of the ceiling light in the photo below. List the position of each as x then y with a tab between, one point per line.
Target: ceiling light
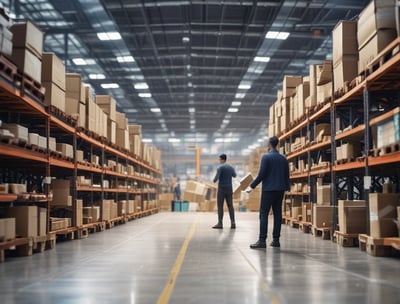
155	110
192	121
244	86
240	95
109	36
141	86
190	84
174	140
145	95
226	121
189	74
262	59
185	39
233	110
110	85
97	76
125	59
192	110
130	111
147	140
277	35
236	103
192	127
191	94
79	61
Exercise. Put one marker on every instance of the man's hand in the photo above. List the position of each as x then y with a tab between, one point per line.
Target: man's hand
248	189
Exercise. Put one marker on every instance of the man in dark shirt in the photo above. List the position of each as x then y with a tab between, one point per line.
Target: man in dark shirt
224	176
274	175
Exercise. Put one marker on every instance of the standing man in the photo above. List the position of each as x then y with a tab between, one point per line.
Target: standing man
274	175
224	176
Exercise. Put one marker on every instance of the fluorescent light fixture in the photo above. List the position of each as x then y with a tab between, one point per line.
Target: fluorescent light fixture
130	111
97	76
226	121
79	61
90	61
110	85
218	140
192	127
161	120
185	39
192	121
155	110
262	59
240	95
125	59
147	140
191	94
236	103
277	35
174	140
109	36
190	84
189	74
145	95
192	110
141	86
244	86
233	110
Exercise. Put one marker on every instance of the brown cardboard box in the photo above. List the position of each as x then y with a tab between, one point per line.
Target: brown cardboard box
26	220
76	109
344	40
246	181
324	73
306	212
42	221
351	150
372	47
345	69
108	104
389	188
313	86
121	120
74	88
135	129
92	212
322	216
296	211
352	216
79	213
33	139
28	63
383	228
19	131
112	131
61	192
65	149
379	14
122	208
53	70
4	188
382	212
7	229
28	35
323	92
54	96
122	138
6	45
106	209
324	195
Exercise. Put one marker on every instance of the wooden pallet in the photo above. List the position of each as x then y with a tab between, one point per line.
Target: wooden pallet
32	87
294	223
325	232
344	161
305	227
346	239
392	148
17	247
7	69
379	247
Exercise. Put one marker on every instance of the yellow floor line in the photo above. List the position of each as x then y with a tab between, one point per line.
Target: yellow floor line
169	287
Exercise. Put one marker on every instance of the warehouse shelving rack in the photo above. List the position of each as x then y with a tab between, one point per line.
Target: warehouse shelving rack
19	161
377	88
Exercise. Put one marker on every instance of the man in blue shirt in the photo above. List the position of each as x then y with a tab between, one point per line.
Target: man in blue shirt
274	175
224	176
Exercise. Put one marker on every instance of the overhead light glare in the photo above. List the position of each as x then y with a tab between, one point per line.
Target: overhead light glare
262	59
240	95
141	86
130	111
110	85
147	140
233	110
109	36
244	86
155	110
236	103
97	76
277	35
145	95
185	39
79	61
192	110
174	140
226	121
125	59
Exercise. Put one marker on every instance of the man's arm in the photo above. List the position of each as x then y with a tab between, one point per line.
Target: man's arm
217	175
261	172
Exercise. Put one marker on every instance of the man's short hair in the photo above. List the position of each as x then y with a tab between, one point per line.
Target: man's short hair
222	156
274	141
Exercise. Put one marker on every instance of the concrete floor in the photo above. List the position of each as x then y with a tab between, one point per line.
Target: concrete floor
134	263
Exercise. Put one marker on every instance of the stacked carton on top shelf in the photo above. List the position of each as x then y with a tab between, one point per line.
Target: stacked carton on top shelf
75	103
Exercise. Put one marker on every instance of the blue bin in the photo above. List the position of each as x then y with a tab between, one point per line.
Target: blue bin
177	206
185	206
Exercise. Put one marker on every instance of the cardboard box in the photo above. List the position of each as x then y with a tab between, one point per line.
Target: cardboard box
369	51
74	87
4	188
27	35
389	188
89	96
306	212
322	216
54	96
61	192
376	16
383	212
313	86
79	213
65	149
79	155
122	208
122	138
352	216
105	206
324	92
7	229
28	63
344	70
135	130
33	139
53	70
108	104
93	212
296	211
52	144
19	131
112	131
121	120
324	73
42	221
6	45
344	41
26	220
386	132
324	195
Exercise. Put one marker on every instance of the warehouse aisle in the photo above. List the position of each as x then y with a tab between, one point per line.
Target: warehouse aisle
177	256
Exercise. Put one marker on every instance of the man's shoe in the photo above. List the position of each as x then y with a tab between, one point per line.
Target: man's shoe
275	243
233	226
258	245
218	226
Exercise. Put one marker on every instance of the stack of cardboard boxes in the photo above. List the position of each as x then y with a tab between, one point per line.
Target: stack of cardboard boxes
53	80
382	214
5	34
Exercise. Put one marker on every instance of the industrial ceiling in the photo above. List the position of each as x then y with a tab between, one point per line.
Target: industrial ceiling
194	73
